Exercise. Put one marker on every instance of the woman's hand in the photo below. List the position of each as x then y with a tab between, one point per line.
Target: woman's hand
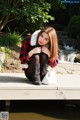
34	51
45	50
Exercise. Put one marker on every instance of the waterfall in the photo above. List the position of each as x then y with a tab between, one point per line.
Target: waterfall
67	51
68	54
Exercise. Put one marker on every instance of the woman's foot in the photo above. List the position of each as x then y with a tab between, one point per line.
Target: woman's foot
37	82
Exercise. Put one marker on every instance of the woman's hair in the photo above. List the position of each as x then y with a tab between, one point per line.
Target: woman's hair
53	40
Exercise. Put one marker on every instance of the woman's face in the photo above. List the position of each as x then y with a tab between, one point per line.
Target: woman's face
43	39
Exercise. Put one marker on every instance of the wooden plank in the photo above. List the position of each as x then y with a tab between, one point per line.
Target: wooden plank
15	86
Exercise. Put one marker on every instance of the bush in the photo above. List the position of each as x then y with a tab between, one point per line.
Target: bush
74	26
10	39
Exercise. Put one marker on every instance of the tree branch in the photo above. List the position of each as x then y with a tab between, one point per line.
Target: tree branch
4	22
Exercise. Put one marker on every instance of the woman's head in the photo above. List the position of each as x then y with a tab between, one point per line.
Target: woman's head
48	35
43	39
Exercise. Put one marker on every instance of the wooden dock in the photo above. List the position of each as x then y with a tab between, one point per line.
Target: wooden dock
15	86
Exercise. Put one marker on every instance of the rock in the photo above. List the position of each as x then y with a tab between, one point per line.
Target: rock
2	57
77	58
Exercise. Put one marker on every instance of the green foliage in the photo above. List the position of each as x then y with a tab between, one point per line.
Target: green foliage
37	15
31	10
10	39
74	26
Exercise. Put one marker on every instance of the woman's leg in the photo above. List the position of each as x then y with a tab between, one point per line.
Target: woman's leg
30	70
33	71
36	75
37	68
43	64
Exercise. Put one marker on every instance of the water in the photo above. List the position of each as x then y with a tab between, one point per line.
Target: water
44	110
68	54
67	47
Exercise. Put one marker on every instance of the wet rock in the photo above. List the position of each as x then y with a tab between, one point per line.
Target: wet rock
77	58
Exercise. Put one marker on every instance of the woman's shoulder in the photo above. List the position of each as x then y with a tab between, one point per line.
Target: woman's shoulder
27	38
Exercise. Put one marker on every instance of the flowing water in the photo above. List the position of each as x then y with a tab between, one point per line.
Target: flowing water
44	110
68	54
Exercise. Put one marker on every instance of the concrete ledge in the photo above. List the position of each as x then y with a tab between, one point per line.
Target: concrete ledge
15	86
2	57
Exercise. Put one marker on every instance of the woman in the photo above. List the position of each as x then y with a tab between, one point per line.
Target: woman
37	52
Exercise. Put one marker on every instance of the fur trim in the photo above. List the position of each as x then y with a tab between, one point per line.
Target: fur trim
34	37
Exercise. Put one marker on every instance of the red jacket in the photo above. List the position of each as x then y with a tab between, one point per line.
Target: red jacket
26	47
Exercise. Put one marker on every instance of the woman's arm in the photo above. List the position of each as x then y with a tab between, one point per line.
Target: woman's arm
53	62
34	51
24	58
27	51
46	51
